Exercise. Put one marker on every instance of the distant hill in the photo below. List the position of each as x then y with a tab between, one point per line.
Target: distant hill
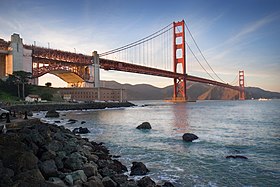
195	91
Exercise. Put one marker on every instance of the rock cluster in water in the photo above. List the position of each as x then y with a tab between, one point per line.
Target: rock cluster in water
189	137
144	125
50	155
236	156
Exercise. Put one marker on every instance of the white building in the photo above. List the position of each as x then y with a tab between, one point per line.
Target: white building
33	98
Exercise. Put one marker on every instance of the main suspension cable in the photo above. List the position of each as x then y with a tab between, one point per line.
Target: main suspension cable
201	52
199	61
137	42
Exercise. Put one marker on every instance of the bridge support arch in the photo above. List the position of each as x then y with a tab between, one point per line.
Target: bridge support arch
241	85
179	58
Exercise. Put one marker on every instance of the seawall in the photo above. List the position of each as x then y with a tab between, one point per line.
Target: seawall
65	106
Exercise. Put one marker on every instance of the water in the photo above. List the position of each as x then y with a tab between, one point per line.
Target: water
248	128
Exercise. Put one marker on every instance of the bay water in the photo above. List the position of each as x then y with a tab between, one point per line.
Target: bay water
249	128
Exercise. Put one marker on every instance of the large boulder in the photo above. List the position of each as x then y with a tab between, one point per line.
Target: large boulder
79	175
52	114
48	168
138	168
90	170
146	182
81	130
144	125
30	176
75	161
108	182
189	137
94	181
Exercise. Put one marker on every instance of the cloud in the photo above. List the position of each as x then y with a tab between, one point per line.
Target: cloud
253	27
240	39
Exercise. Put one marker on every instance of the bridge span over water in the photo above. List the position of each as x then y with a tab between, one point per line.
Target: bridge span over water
80	70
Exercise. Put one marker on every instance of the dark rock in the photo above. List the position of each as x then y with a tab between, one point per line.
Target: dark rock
30	176
81	130
107	172
94	182
82	122
108	182
59	136
29	113
168	184
75	161
52	114
236	156
79	175
55	146
189	137
130	183
118	167
78	183
48	168
146	182
5	175
71	121
48	155
116	156
138	168
69	180
144	125
120	178
70	146
26	161
90	170
56	181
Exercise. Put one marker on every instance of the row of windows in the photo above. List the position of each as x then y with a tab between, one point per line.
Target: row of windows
84	93
89	97
90	93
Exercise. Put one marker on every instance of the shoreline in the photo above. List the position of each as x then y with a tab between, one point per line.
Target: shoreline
42	154
65	106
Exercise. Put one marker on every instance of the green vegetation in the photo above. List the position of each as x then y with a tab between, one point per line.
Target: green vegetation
16	87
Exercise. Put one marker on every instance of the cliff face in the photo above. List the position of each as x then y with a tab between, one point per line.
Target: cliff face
195	91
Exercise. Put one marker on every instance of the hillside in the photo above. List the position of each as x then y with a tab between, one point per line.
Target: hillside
195	91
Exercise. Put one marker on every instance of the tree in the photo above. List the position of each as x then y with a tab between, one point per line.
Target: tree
46	96
48	84
21	77
13	80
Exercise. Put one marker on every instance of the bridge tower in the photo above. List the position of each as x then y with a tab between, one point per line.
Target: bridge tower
179	58
241	85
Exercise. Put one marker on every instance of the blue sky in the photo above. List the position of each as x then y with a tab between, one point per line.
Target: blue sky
232	35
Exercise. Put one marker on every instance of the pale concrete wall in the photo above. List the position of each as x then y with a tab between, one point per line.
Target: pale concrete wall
27	60
16	47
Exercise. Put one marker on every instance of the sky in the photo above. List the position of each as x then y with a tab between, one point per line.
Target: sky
233	35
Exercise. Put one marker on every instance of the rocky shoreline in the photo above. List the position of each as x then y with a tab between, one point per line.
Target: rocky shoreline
49	155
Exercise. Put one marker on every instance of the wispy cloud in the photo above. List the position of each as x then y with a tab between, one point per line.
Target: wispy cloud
253	27
240	39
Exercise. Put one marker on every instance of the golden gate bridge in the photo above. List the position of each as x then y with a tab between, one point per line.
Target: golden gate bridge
162	53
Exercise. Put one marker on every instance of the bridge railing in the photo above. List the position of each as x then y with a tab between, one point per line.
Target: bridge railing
55	54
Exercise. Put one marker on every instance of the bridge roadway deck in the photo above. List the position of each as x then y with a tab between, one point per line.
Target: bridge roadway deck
126	67
63	58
